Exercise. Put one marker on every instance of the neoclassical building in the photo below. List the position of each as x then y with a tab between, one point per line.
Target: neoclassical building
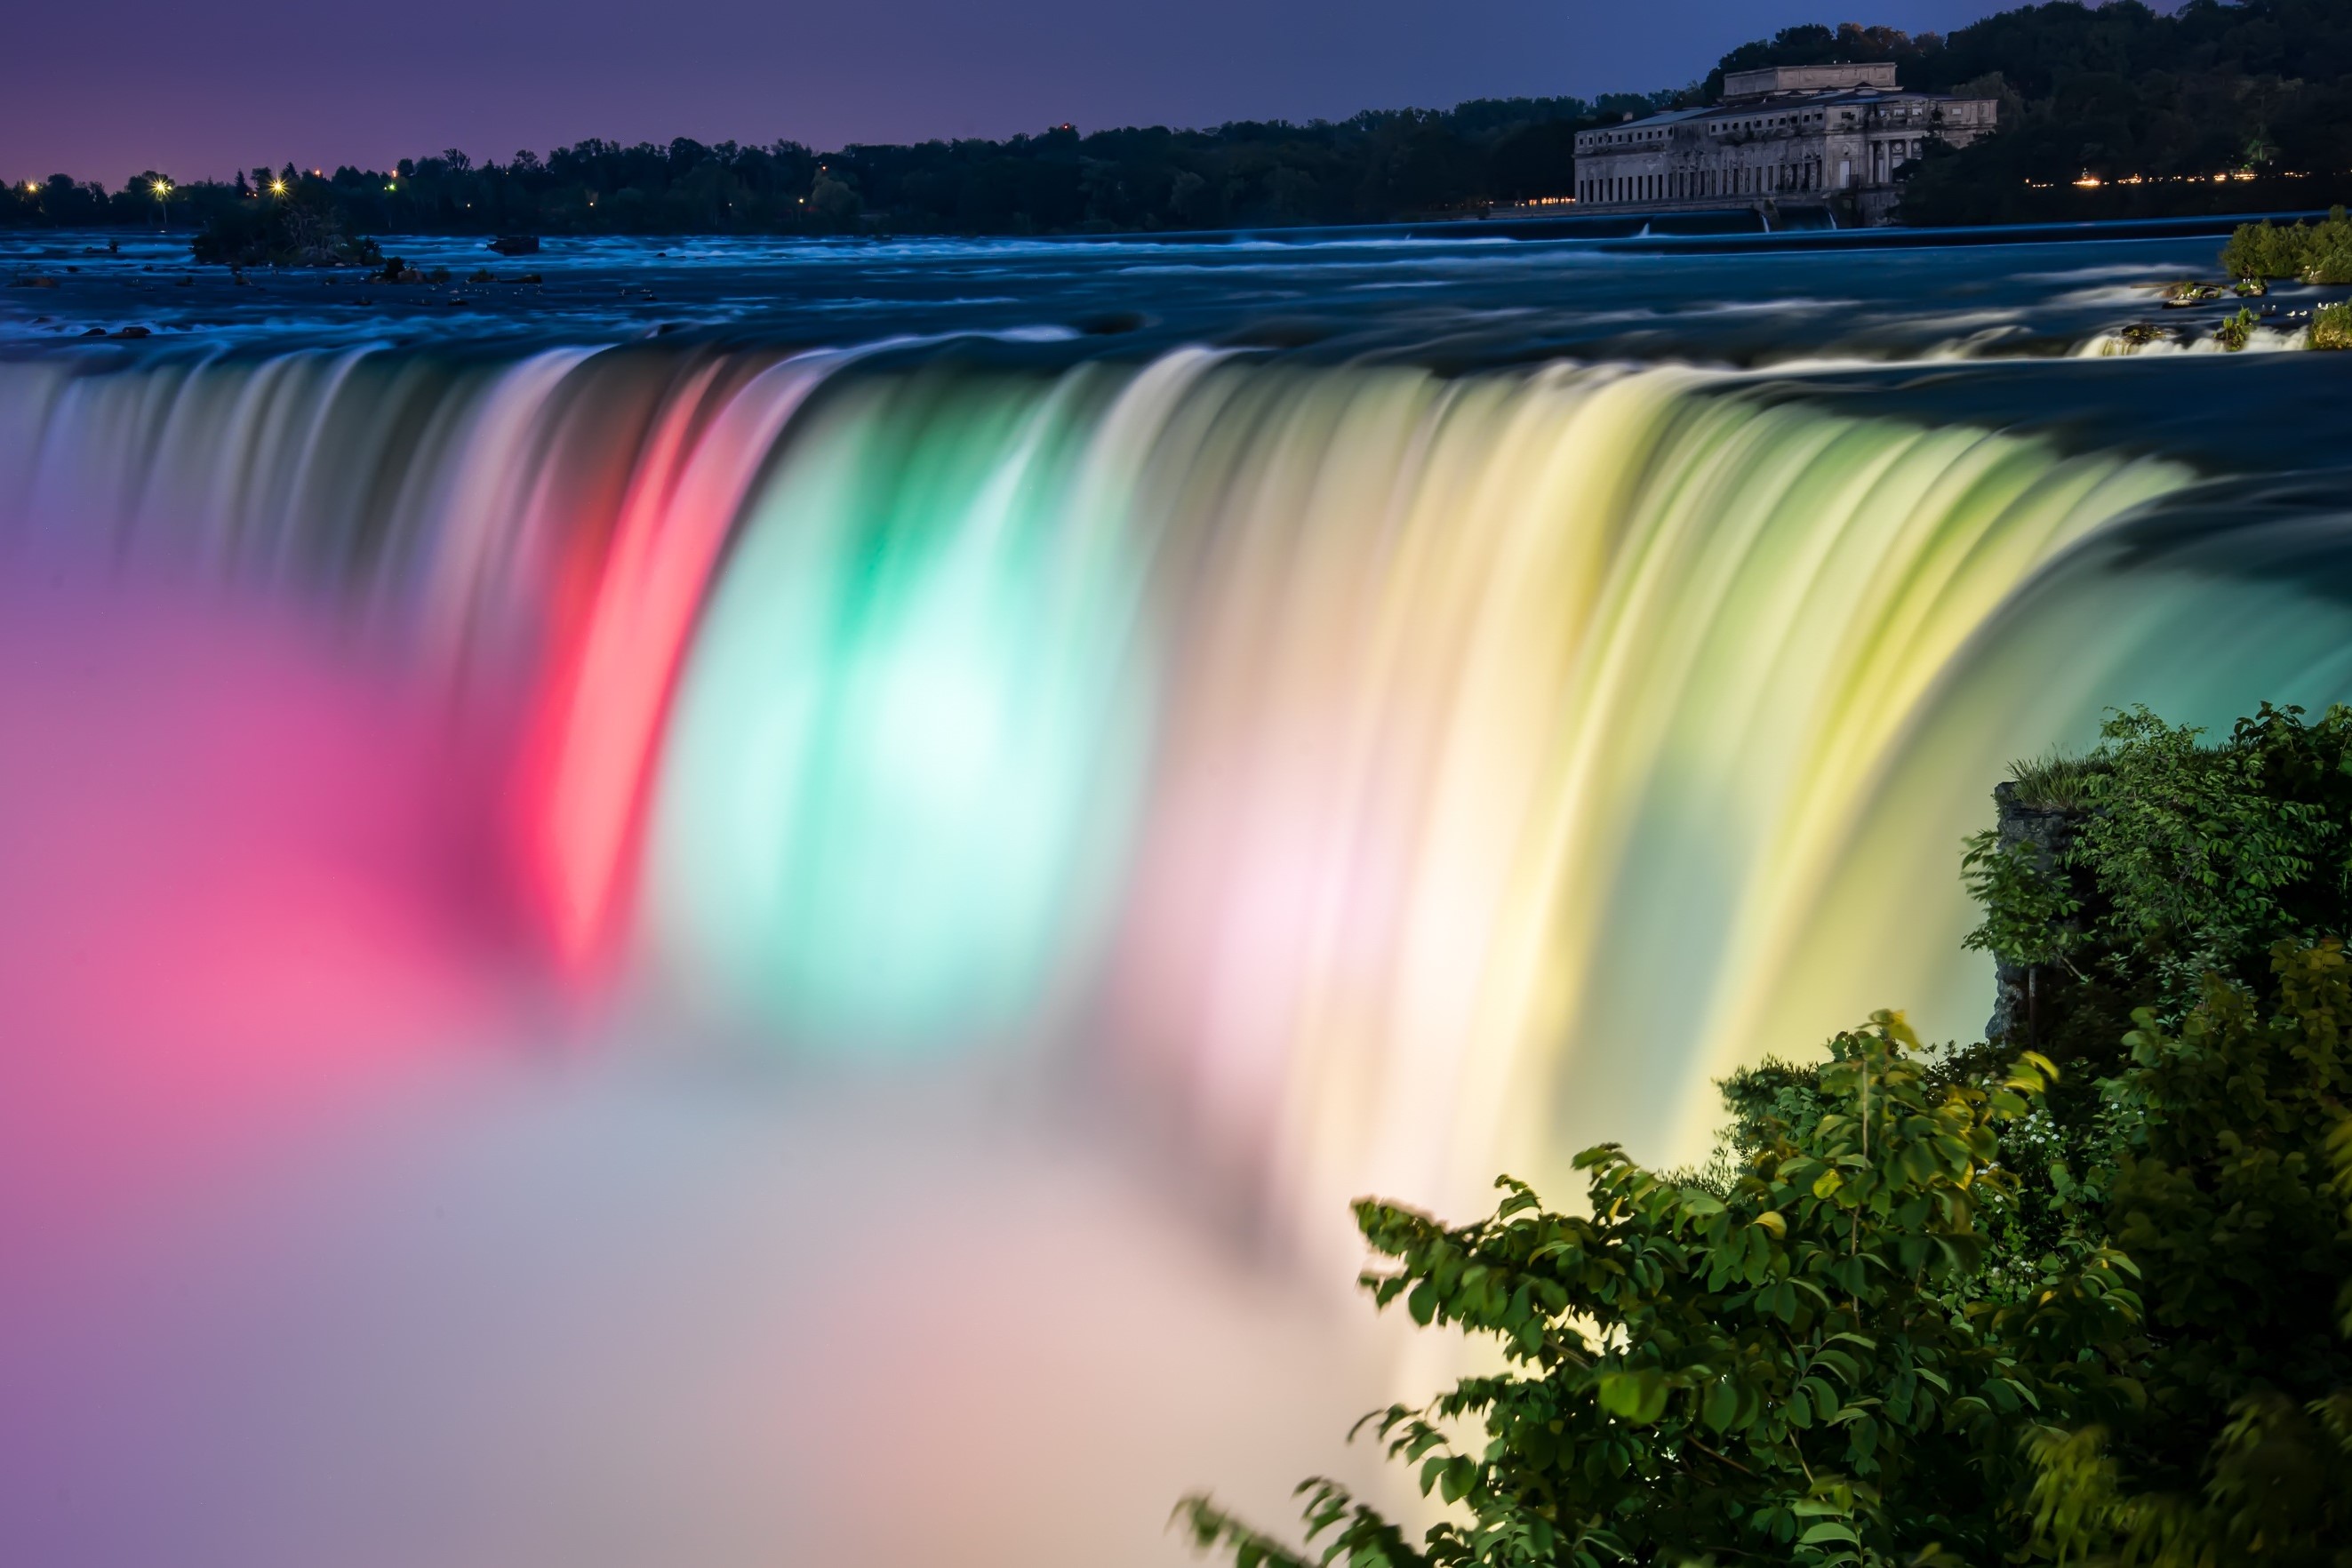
1783	136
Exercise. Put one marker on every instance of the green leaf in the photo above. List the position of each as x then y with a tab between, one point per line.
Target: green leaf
1637	1396
1720	1405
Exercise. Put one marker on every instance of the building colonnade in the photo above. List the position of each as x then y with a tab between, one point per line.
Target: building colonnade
1746	179
1698	184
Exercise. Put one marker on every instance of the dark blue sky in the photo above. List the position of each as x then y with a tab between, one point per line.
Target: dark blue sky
104	88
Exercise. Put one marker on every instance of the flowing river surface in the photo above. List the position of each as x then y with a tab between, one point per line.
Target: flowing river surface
758	901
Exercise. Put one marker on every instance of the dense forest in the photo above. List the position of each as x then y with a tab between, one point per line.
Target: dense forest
2156	109
2235	106
1374	167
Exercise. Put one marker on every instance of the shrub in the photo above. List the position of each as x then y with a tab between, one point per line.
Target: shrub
302	230
2229	1195
1789	1370
2313	253
2189	857
2236	330
2262	250
2201	887
2331	326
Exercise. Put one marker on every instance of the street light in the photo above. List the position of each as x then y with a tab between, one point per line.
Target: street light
162	189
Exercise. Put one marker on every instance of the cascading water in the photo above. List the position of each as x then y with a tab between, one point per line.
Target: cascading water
741	947
1396	777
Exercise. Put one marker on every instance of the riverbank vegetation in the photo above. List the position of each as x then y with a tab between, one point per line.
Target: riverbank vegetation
2123	111
2331	326
1374	167
2079	1294
2113	112
2302	252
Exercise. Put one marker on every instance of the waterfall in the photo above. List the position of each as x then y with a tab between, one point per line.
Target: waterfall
1383	777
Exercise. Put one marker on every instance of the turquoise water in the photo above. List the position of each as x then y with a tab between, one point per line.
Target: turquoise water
1464	293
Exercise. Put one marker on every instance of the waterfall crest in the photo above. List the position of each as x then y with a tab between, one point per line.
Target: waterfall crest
1390	777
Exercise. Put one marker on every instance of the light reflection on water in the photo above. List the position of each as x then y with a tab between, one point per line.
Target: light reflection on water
1489	297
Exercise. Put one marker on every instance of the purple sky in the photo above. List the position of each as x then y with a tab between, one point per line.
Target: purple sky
104	88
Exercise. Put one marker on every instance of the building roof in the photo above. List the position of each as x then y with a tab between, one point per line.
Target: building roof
1773	103
1807	79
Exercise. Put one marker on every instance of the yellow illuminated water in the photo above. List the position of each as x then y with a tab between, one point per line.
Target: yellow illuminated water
1377	777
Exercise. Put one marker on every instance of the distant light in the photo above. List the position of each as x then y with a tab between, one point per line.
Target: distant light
2089	182
277	187
163	187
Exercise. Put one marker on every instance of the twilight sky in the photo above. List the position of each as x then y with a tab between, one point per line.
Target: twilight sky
102	88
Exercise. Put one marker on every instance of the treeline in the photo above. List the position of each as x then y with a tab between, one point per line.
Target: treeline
2216	107
1375	167
2117	110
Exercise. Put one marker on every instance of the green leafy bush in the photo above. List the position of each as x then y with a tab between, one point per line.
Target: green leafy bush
2331	326
303	228
2193	878
2262	250
1792	1370
2230	1193
2189	857
2310	253
2236	330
